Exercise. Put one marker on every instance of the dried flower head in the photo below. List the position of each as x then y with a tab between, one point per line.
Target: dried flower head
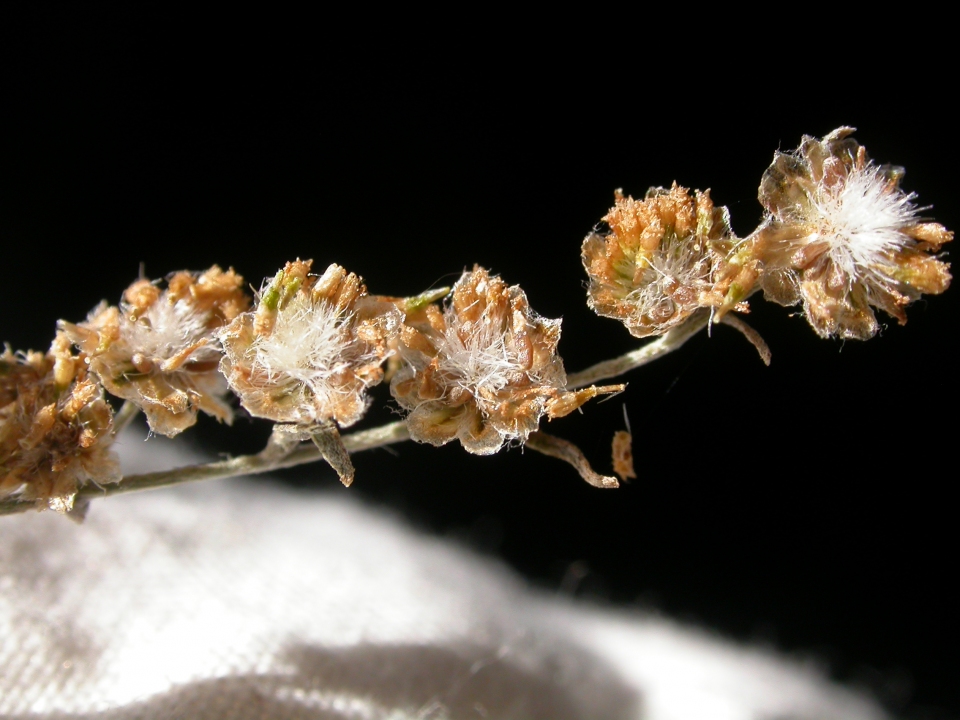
312	347
841	237
654	268
159	348
55	428
484	370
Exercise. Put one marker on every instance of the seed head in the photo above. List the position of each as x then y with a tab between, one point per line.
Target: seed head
841	237
159	348
55	427
654	268
312	347
484	370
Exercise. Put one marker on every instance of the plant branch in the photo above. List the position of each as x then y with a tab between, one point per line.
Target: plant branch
641	356
265	461
568	452
127	412
274	458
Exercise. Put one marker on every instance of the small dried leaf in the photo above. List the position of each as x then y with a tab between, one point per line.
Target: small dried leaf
327	439
623	455
569	453
566	402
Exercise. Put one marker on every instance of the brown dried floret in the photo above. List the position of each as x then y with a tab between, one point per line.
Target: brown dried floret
307	355
654	268
159	348
55	428
841	237
312	347
415	310
484	370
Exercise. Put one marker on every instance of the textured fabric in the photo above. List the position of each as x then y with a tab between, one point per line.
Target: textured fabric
235	600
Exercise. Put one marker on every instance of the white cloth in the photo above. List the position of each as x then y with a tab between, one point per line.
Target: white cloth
235	600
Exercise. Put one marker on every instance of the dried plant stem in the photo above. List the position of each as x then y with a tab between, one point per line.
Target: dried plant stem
270	458
568	452
641	356
752	336
244	465
127	412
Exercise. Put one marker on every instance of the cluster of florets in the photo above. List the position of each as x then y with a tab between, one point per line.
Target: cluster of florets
655	267
55	428
312	347
841	237
484	370
159	349
838	236
308	353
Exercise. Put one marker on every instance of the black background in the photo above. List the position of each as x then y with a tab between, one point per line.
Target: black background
808	505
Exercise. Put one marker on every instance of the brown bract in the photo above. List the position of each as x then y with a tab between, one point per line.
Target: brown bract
654	268
622	452
484	370
159	348
312	347
55	428
842	238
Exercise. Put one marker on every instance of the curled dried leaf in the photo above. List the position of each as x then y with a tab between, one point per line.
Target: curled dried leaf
571	454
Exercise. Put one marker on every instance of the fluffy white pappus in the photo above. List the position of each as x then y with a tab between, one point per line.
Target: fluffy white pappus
167	329
482	358
476	356
308	353
862	219
671	282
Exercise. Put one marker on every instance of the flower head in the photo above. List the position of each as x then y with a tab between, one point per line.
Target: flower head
55	427
159	348
484	370
654	268
312	347
841	237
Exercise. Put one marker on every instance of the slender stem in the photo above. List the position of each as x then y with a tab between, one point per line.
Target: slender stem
641	356
568	452
752	336
128	411
244	465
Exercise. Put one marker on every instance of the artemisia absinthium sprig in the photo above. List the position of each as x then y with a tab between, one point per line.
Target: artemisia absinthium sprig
477	364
